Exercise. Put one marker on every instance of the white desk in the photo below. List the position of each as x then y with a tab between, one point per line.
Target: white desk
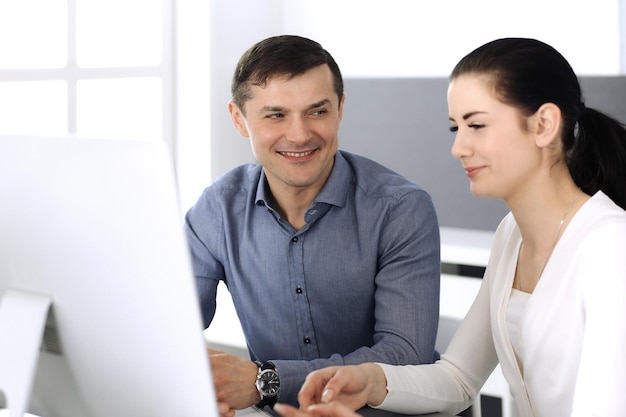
373	412
365	412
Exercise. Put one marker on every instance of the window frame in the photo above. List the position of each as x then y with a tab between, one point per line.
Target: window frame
71	73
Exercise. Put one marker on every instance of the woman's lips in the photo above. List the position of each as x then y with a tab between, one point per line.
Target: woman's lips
472	171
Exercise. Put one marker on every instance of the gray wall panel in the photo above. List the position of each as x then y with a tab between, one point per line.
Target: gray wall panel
403	124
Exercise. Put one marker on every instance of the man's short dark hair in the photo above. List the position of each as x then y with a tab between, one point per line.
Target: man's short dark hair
284	55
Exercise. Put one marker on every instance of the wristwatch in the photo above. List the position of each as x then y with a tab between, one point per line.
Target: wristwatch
267	384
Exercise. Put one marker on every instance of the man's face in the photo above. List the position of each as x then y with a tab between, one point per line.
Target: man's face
293	125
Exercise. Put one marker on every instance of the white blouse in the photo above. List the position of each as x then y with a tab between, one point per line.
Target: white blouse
573	329
514	317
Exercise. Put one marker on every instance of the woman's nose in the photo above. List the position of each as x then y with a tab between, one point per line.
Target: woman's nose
459	147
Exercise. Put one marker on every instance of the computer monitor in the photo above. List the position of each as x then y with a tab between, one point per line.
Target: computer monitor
92	248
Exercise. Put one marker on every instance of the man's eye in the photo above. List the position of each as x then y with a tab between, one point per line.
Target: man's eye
320	112
275	116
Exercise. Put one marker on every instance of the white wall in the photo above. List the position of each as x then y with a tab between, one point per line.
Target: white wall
415	38
193	98
621	17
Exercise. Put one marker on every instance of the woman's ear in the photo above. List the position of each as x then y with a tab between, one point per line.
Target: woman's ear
546	124
238	118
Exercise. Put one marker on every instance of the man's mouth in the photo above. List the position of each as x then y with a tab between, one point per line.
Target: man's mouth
296	154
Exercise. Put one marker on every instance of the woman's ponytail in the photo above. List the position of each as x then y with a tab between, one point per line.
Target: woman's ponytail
597	160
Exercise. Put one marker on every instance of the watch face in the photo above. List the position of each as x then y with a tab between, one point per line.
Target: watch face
268	383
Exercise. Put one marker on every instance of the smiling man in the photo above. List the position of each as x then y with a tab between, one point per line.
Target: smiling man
330	258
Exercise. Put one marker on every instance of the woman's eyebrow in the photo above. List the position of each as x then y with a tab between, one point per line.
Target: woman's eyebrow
473	113
468	115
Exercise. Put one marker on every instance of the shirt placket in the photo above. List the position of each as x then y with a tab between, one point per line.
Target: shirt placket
306	333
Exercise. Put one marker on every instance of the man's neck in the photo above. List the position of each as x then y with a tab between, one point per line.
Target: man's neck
292	204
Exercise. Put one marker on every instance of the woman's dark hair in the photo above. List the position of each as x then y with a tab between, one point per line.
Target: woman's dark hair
527	73
288	55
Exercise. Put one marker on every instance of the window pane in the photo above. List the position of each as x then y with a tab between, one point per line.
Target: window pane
33	34
33	107
119	33
126	108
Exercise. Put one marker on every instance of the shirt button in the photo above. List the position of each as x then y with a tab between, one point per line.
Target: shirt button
299	290
307	340
295	239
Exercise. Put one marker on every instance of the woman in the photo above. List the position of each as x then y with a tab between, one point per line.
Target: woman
552	306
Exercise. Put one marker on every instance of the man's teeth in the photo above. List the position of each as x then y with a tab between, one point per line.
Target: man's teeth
297	154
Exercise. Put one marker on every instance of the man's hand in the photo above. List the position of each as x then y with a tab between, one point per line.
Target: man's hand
234	379
353	386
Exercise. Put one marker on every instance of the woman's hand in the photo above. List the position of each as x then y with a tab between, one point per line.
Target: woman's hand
332	409
353	386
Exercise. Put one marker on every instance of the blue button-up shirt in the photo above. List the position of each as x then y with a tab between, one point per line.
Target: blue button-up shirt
358	283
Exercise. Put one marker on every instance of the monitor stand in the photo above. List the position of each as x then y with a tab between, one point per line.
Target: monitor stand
23	317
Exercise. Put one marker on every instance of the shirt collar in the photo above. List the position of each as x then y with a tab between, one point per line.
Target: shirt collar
334	192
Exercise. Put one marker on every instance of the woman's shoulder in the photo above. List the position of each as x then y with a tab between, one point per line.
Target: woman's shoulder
599	228
599	212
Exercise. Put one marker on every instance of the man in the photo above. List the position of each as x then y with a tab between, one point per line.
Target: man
330	258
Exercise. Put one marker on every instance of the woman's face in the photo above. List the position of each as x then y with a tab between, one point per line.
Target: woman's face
497	152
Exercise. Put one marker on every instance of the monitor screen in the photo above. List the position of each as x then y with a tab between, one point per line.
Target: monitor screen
98	308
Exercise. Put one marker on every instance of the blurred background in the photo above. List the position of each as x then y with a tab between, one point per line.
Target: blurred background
161	69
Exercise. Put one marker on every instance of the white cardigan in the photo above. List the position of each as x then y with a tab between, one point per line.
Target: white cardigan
573	329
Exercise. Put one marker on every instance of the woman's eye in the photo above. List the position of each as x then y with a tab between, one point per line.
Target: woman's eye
474	126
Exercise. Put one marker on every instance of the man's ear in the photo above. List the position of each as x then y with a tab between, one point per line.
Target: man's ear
546	124
238	118
341	103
